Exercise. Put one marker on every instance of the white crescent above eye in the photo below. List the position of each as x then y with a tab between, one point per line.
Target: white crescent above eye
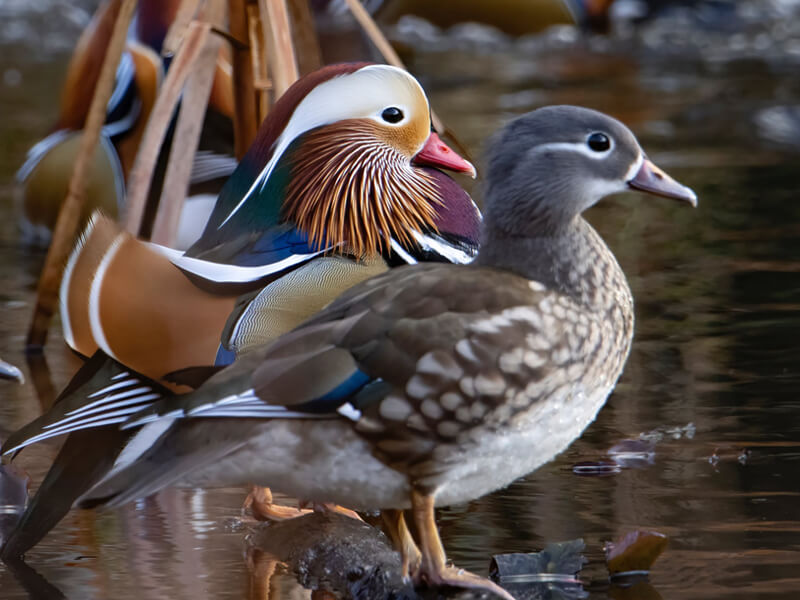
579	147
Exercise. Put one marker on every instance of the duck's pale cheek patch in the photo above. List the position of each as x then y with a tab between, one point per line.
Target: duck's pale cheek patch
637	164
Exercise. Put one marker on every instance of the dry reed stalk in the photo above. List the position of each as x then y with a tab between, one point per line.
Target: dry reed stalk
258	55
140	178
187	131
280	50
69	215
245	124
384	47
177	31
304	35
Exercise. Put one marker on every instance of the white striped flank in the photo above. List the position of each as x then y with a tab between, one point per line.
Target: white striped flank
63	290
223	273
443	249
94	295
401	252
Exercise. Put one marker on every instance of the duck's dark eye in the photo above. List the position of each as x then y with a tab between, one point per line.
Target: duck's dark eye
599	142
392	115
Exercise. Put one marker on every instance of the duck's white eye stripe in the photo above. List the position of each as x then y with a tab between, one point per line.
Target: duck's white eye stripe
579	147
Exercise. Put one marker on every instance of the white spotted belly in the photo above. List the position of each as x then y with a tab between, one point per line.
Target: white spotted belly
326	461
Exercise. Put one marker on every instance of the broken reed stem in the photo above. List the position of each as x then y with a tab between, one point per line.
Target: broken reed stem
245	123
184	143
304	34
177	31
141	175
384	47
69	215
258	54
280	49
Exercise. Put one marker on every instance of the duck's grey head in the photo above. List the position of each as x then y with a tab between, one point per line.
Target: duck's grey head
551	164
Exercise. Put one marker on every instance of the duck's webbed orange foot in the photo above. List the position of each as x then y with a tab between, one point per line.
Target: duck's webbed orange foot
260	506
433	569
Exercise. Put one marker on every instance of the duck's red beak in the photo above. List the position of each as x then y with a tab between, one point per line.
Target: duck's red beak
435	153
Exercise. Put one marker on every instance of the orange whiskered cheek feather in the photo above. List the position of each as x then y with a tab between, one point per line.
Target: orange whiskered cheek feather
351	189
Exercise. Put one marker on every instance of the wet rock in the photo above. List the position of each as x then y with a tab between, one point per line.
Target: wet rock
634	553
336	553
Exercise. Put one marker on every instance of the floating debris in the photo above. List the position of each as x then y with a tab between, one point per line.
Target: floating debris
596	468
633	453
550	573
634	553
659	434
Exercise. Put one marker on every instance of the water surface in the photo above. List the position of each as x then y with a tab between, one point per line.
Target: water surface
712	378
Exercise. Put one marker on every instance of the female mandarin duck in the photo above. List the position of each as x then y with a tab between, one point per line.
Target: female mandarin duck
436	384
45	175
329	195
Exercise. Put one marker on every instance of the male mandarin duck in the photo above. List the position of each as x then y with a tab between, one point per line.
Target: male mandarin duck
330	194
435	384
45	175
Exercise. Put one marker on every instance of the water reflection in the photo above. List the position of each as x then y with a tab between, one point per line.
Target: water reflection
718	319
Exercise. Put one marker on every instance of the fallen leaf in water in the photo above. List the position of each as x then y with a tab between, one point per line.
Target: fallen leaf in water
636	551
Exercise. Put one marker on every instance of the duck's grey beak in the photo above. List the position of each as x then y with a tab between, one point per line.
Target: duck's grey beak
653	180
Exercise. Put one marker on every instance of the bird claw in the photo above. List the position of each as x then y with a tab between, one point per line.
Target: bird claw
456	577
260	506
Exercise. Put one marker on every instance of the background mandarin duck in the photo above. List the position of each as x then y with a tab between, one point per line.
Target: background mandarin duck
45	175
327	196
436	384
